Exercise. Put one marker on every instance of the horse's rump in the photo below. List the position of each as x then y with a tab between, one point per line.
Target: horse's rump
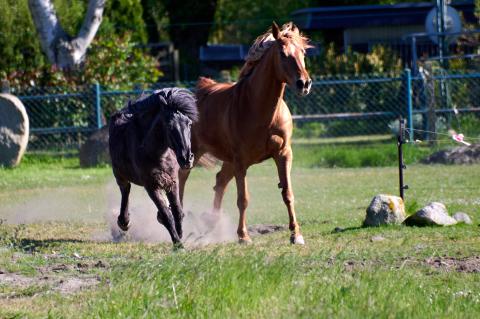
206	86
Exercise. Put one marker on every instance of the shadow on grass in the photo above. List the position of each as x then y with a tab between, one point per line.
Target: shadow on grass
31	245
347	229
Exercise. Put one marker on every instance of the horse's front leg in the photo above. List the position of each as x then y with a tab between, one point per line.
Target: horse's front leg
123	220
164	215
177	210
242	203
284	165
182	180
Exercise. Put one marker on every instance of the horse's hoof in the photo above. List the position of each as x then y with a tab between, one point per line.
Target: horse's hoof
178	247
297	240
122	225
245	241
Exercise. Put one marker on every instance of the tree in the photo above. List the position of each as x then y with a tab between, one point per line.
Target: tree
63	50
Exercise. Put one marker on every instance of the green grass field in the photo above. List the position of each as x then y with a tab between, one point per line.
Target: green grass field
54	211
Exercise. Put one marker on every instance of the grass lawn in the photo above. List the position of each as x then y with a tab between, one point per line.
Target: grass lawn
51	245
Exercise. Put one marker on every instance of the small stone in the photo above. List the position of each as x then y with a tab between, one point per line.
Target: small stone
377	238
100	264
338	230
434	214
385	210
462	218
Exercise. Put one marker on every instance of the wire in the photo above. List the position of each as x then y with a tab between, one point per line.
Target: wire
444	134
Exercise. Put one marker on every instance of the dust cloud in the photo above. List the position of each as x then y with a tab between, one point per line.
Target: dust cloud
101	205
200	227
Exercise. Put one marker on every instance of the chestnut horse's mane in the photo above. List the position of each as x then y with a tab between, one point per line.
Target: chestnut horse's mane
266	40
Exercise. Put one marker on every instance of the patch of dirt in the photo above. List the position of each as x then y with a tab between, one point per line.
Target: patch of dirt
467	264
73	284
265	229
15	279
62	278
457	155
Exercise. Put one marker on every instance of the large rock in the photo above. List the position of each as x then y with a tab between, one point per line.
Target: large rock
95	149
385	210
434	214
14	130
458	155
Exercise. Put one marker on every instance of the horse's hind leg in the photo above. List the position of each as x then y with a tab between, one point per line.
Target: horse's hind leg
222	179
123	220
164	215
177	210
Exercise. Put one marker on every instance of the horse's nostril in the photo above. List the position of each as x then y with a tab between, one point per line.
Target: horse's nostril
300	84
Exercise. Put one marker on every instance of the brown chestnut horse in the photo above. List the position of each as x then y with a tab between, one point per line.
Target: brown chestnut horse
248	122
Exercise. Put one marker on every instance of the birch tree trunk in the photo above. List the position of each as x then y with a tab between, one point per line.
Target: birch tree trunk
63	50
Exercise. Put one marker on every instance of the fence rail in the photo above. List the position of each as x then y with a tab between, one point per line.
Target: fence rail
62	118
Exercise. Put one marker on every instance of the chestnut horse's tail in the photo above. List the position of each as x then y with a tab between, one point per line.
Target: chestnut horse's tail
208	161
203	87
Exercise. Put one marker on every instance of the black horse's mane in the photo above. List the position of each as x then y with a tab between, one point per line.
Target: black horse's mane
177	99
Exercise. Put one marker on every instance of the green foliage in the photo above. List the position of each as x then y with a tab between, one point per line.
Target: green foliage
115	61
379	61
358	154
19	46
122	16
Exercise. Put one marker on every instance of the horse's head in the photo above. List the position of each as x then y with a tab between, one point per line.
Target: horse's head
290	63
179	131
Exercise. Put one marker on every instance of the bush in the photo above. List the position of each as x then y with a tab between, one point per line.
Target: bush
114	61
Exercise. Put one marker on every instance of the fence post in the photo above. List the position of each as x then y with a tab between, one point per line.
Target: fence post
408	96
98	105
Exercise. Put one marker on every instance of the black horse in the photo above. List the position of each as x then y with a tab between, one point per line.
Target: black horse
149	140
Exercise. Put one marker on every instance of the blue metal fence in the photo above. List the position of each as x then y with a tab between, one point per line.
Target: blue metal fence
62	118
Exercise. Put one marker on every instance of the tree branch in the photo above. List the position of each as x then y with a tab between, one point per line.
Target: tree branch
47	25
92	21
60	48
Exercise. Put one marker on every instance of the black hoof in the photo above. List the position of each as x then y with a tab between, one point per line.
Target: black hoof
122	224
178	246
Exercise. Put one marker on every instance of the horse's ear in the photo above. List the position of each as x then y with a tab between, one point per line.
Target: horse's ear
295	29
275	31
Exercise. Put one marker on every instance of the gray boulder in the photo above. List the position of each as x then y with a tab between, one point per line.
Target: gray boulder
434	214
385	210
462	218
457	155
14	130
95	149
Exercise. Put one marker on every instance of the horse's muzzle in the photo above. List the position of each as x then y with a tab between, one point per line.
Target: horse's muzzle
303	86
187	164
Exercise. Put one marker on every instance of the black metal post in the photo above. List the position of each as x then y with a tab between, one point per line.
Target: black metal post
401	164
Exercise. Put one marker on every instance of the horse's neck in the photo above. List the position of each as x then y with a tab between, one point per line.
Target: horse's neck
264	89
